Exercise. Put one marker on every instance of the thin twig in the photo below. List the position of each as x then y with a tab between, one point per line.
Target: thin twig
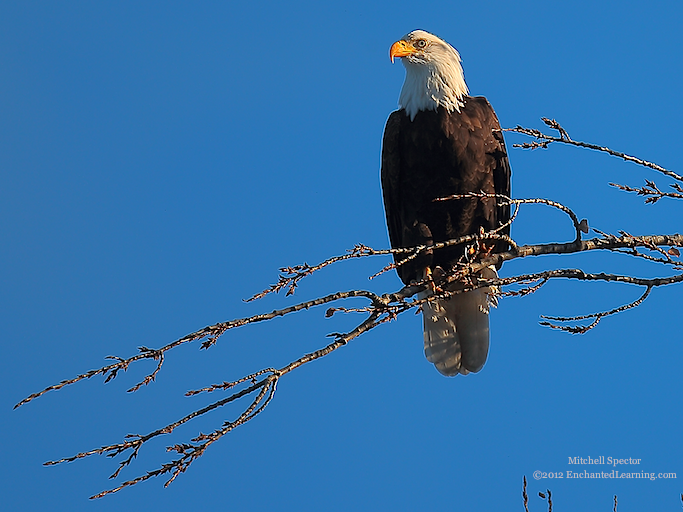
210	334
581	329
579	226
565	139
651	191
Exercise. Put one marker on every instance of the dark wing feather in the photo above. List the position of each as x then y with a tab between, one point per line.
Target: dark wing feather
439	154
390	175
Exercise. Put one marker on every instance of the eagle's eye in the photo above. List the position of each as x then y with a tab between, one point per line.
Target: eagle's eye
420	43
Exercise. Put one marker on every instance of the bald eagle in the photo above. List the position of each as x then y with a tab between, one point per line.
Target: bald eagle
443	142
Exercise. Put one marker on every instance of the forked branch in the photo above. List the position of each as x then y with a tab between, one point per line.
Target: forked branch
543	140
258	388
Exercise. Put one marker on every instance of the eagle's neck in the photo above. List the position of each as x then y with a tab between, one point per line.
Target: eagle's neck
439	83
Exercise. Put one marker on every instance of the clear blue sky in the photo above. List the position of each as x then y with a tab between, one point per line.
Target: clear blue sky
160	160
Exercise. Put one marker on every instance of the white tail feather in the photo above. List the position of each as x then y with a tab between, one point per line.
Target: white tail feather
456	330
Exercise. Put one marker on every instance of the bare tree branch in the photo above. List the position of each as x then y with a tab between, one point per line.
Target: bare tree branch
651	191
580	329
543	141
260	386
580	226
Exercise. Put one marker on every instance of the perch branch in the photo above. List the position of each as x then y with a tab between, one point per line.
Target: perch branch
260	386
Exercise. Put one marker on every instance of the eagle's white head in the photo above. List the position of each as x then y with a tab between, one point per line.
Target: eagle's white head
434	76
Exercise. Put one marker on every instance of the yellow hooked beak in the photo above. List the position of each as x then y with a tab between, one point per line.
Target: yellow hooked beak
400	49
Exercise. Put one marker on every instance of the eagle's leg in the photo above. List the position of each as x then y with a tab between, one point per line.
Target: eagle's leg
429	280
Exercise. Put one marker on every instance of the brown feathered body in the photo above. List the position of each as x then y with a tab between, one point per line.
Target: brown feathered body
437	154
